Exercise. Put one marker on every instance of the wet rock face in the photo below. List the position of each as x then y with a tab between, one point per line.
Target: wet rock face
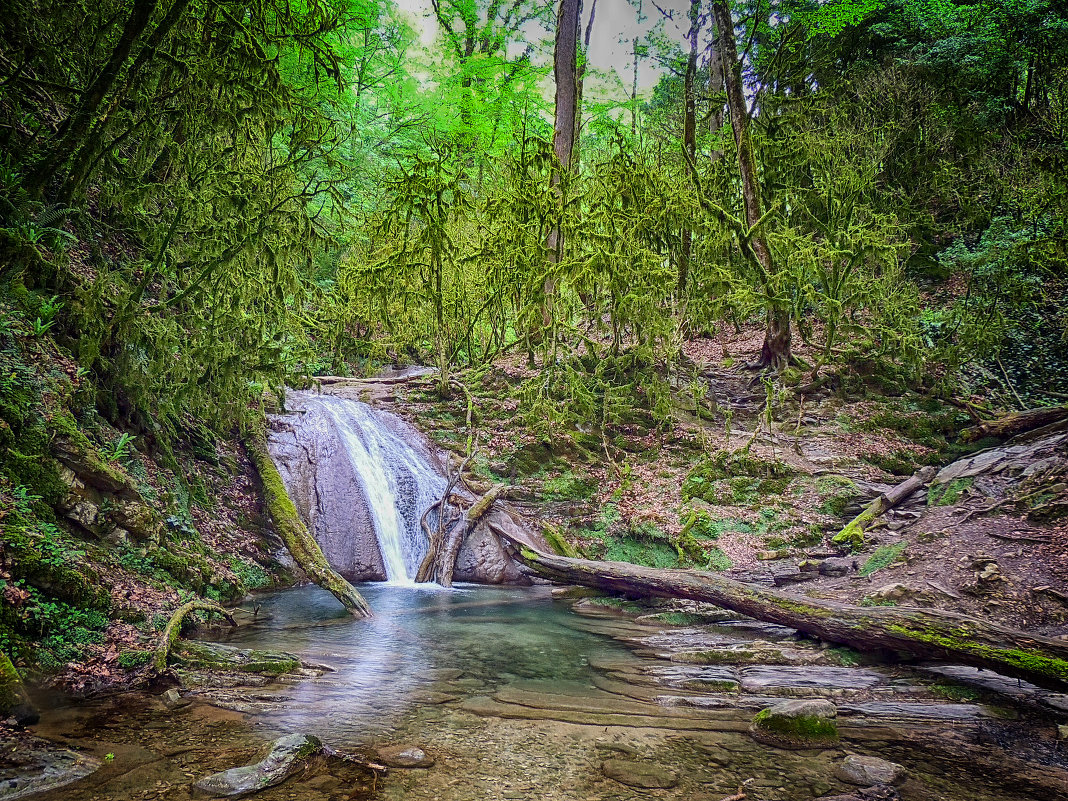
324	487
287	756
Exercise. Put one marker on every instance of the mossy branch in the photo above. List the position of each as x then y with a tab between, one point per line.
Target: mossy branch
301	544
174	628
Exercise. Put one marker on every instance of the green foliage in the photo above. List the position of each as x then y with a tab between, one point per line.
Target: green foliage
884	556
949	493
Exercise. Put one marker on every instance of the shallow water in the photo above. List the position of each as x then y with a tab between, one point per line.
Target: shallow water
418	636
518	697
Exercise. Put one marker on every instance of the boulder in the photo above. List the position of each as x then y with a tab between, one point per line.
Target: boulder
838	566
404	756
808	723
172	699
288	755
868	770
643	775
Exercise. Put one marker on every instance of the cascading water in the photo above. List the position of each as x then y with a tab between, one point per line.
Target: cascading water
399	484
361	479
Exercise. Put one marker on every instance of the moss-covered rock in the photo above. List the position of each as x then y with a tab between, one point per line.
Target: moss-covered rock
14	701
798	724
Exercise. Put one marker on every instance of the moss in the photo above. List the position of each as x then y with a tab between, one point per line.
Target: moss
801	727
949	493
884	556
558	543
955	691
769	477
959	640
837	493
12	693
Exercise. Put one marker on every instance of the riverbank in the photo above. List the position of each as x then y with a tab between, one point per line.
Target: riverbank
521	696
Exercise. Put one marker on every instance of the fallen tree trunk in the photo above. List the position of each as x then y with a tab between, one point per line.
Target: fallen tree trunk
916	632
174	627
301	544
435	539
853	533
450	548
1010	425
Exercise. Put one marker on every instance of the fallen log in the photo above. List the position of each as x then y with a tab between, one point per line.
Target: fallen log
435	539
450	548
852	535
919	633
1015	423
298	540
174	627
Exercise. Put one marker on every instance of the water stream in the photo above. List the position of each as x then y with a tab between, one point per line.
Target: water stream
398	482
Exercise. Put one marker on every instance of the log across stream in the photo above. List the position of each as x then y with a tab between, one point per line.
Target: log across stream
920	633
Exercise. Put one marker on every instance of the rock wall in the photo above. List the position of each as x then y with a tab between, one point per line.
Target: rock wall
311	457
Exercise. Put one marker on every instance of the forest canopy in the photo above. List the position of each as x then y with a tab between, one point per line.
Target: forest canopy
220	198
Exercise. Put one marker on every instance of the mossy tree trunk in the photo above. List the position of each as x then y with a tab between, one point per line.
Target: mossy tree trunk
301	544
174	628
915	632
853	533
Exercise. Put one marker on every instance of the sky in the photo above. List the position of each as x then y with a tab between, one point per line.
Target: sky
615	25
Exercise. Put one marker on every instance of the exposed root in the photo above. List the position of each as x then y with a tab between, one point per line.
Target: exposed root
174	628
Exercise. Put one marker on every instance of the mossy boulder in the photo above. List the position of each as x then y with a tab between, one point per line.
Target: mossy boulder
14	702
800	724
288	755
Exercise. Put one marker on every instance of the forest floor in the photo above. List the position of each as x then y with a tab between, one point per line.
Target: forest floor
758	488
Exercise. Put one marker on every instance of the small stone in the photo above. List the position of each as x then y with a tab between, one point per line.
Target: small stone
643	775
172	699
868	770
404	756
1062	731
893	592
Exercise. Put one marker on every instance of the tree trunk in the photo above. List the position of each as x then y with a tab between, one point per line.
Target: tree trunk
580	76
1016	423
565	71
73	131
301	544
775	352
919	633
450	548
689	137
853	534
174	628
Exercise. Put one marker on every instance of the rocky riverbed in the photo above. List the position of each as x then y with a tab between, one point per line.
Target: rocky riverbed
590	701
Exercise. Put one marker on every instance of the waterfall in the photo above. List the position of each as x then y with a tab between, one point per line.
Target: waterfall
351	468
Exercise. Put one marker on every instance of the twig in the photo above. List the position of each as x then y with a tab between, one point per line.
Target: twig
1020	538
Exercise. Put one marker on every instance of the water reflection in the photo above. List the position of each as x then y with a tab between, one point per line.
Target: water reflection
481	637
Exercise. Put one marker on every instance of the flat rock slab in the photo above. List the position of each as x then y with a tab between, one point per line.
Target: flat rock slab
764	678
643	775
287	756
918	711
1003	685
39	766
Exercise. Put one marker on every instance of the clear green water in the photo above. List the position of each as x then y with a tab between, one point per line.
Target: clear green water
385	665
